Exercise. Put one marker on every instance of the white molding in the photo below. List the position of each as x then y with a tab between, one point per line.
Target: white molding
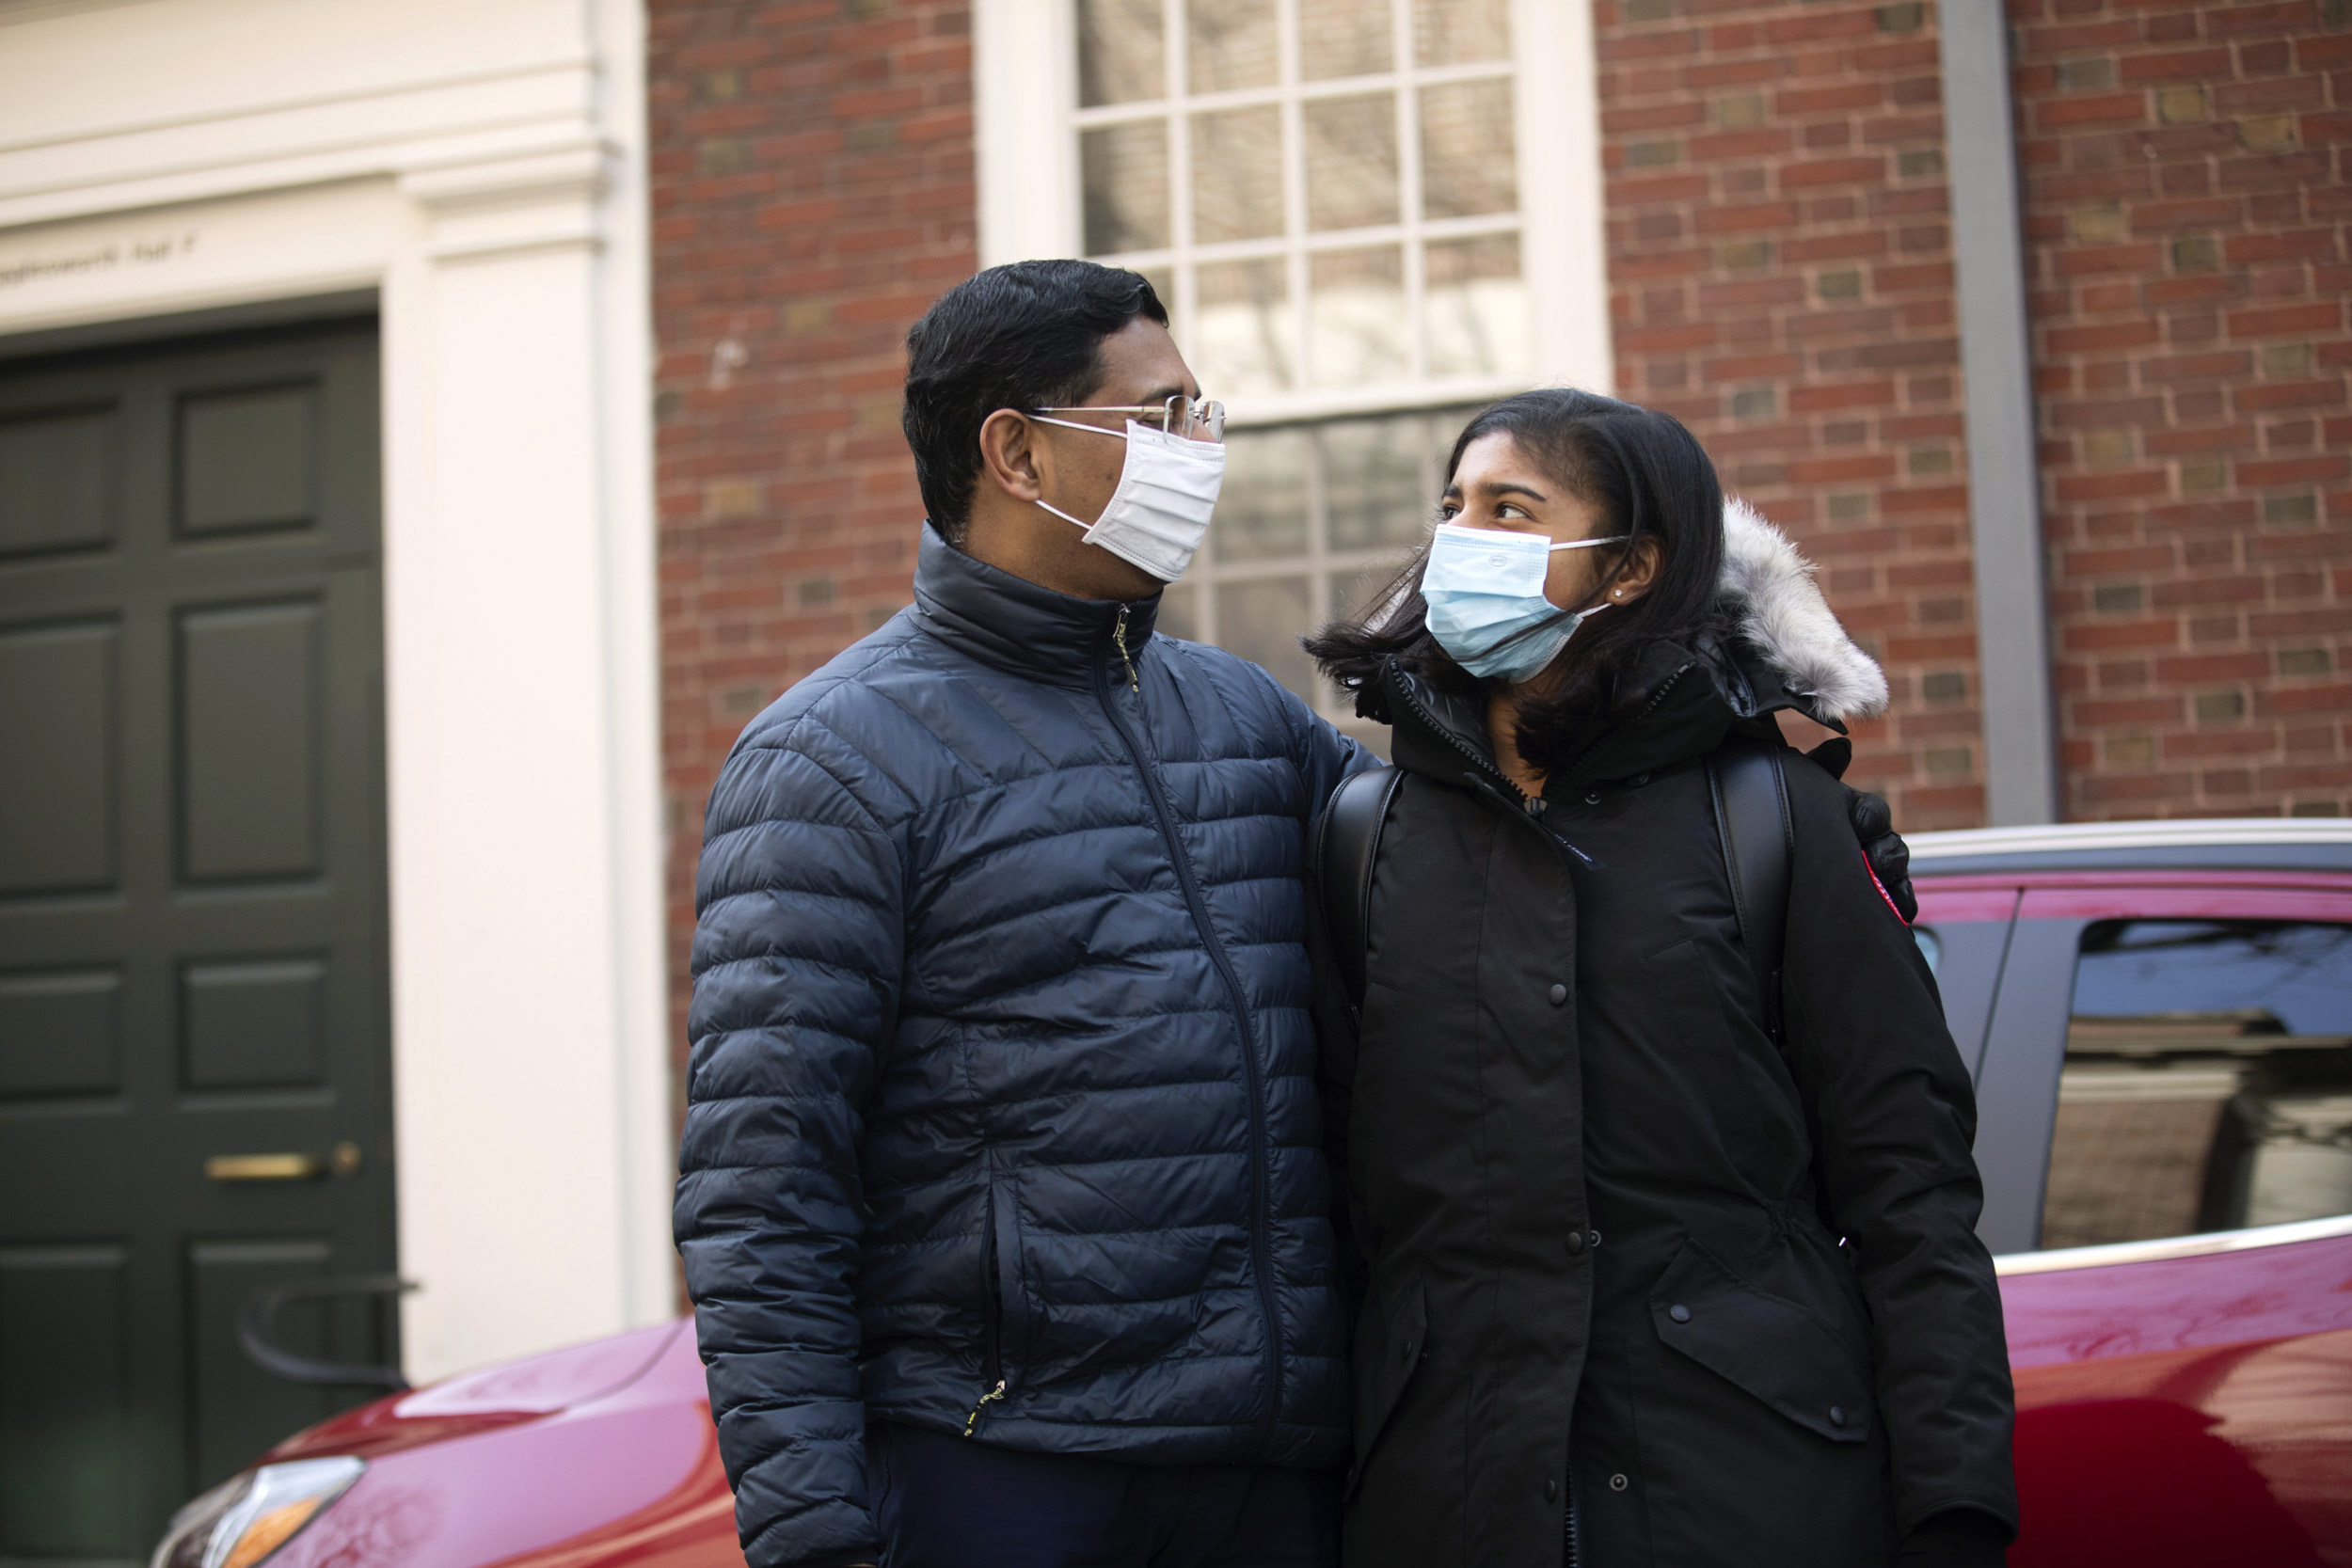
184	155
1563	243
1024	79
2203	831
2202	1245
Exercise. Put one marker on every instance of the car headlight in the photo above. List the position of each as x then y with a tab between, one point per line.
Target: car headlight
243	1521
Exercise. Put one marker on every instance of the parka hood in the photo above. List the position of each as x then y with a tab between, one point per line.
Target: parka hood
1785	650
1787	625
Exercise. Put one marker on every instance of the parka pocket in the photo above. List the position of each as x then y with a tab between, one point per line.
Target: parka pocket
1385	1363
1775	1350
1009	1307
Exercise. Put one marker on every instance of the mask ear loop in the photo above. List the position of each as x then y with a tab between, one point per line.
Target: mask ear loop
1071	424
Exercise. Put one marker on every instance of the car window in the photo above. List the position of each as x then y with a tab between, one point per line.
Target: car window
2207	1083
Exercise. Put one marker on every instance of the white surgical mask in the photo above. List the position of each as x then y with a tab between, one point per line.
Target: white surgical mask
1159	513
1485	588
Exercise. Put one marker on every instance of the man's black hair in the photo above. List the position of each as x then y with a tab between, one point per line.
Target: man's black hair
1026	334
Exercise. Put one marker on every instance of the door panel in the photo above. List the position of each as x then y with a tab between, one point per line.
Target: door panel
55	485
191	912
2171	1058
247	460
57	797
250	733
66	1421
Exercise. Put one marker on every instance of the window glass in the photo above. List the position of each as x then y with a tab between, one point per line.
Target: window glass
1314	519
1287	136
2208	1081
1931	945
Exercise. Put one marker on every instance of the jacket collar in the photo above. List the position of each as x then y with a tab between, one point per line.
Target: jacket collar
1018	626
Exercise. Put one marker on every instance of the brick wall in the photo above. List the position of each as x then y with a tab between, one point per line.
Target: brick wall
812	195
1781	270
2187	181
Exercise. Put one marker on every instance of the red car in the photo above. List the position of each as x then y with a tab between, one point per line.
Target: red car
2159	1018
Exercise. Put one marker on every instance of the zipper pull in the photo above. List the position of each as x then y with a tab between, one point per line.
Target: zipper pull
1119	635
1537	805
988	1398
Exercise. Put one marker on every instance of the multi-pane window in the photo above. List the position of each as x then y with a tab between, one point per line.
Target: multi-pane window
1333	200
1327	191
1326	194
2208	1081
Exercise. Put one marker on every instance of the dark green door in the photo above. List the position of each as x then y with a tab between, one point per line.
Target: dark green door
192	914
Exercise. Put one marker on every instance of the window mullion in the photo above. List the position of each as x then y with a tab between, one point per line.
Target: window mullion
1294	189
1408	172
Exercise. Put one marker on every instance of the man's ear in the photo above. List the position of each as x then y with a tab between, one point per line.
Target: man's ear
1009	454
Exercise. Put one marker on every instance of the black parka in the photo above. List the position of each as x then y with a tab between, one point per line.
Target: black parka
1622	1246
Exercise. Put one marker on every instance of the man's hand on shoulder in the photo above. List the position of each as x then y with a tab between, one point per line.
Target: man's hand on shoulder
1889	856
1874	825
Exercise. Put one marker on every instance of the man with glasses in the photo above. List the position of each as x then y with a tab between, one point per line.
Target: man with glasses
1002	1204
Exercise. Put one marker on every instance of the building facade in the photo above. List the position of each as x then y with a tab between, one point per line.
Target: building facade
2030	324
428	433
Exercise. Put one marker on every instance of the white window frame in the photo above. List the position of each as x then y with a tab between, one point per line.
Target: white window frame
1026	121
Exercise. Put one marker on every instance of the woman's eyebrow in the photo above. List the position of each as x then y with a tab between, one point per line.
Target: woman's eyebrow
1511	488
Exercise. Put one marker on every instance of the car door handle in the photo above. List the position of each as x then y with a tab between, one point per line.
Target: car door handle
343	1159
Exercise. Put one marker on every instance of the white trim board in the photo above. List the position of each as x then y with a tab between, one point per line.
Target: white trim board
480	170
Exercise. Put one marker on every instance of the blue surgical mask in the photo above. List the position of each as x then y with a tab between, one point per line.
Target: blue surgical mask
1484	587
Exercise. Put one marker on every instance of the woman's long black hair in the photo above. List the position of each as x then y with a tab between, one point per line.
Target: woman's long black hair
1649	478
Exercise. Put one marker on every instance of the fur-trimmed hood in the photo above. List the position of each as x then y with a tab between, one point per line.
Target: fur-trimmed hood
1782	617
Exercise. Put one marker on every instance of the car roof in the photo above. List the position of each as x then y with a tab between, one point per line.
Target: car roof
2219	844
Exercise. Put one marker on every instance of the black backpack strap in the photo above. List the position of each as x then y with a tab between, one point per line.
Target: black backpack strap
1760	840
1346	840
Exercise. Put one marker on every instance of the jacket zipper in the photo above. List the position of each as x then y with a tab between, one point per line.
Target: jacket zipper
1484	764
996	1380
1119	635
1576	1536
1259	1257
971	1421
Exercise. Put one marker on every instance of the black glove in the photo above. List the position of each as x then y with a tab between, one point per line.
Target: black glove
1955	1538
1874	825
1889	856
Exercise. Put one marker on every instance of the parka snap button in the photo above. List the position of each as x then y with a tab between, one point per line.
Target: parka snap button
1838	1414
1551	1490
1559	996
1678	1312
1594	798
1618	1484
1576	1242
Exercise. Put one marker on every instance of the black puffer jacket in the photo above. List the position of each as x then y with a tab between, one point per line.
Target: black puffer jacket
1003	1069
1585	1175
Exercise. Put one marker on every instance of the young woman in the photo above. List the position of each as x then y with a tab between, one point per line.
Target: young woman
1660	1273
